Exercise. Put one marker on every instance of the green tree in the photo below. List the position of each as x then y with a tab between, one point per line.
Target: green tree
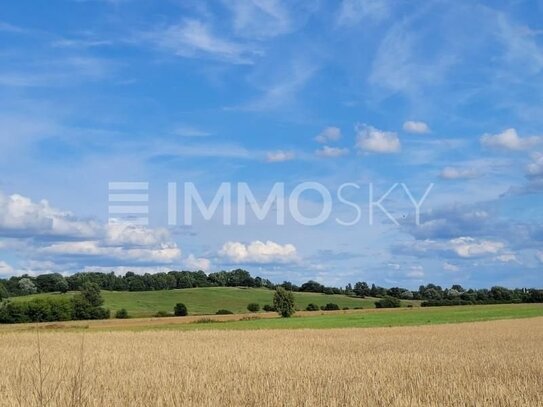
91	293
388	302
253	307
283	301
3	292
121	314
27	286
180	310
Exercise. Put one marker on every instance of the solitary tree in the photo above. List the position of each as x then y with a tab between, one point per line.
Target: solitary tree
180	310
283	301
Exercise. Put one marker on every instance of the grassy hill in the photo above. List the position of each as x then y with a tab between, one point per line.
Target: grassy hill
200	301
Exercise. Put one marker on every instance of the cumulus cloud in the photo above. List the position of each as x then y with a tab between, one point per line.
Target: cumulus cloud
463	247
451	173
57	235
197	263
21	217
328	134
509	140
416	127
279	156
370	139
259	252
470	247
331	152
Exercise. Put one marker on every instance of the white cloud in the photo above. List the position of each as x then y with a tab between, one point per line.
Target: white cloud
5	269
59	235
416	272
259	252
331	152
507	258
509	140
328	134
458	173
279	156
416	127
197	263
535	168
465	247
192	38
19	216
450	267
164	253
122	234
470	247
539	255
369	138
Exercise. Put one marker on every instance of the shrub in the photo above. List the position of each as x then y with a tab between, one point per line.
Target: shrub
331	307
122	314
206	320
162	314
345	308
223	312
180	310
253	307
283	301
388	302
312	307
269	308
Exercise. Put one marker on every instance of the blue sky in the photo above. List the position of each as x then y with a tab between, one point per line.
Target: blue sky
264	91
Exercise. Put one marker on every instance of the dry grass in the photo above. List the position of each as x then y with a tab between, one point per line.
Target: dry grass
496	363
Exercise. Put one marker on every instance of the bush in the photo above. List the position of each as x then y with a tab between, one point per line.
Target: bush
331	307
345	308
162	314
180	310
253	307
223	312
388	302
283	301
269	308
122	314
312	307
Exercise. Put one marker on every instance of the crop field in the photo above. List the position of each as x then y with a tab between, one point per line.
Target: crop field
400	366
364	318
202	301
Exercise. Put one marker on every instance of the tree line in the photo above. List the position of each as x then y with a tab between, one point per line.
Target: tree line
85	305
430	294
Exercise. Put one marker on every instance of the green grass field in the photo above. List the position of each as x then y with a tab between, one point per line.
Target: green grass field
379	318
201	301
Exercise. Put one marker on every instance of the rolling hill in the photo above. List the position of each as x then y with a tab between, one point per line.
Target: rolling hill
201	301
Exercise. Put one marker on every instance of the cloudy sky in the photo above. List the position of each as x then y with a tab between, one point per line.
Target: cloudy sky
262	92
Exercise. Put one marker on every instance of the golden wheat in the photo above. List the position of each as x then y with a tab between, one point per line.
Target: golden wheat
474	364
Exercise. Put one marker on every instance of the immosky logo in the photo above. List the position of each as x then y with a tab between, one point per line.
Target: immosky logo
238	199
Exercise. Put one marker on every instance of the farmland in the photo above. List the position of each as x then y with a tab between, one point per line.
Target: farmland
201	301
399	366
365	318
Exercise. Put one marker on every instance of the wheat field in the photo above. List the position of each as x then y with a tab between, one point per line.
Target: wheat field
497	363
